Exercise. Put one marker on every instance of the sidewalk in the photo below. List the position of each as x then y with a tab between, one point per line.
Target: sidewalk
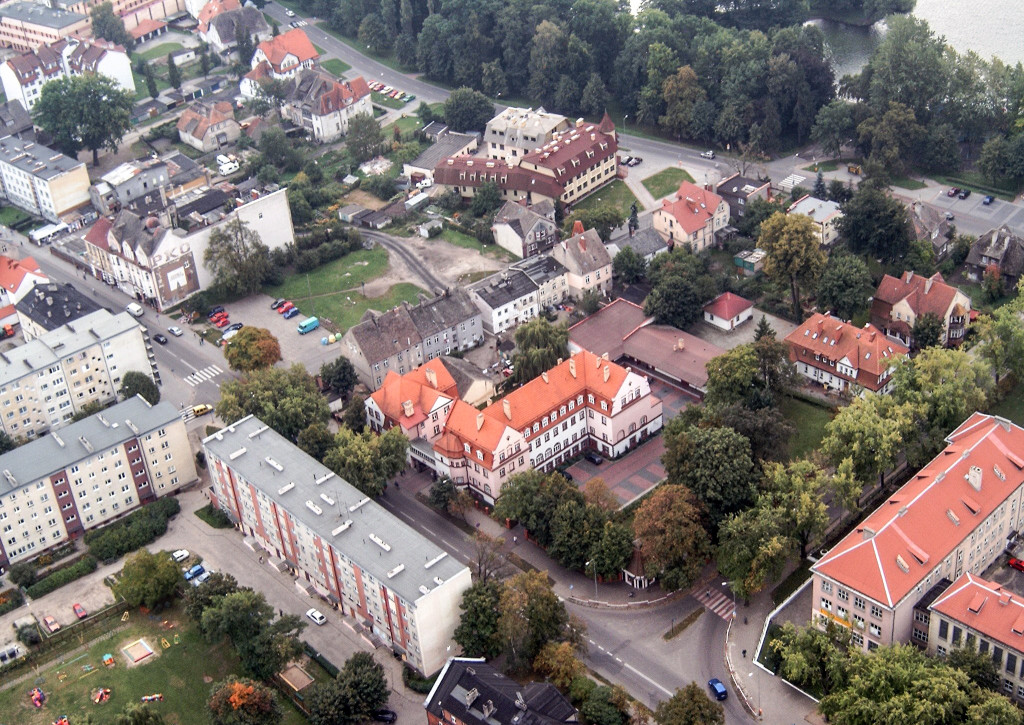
646	199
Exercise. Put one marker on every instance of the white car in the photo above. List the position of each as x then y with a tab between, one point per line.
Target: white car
180	555
289	13
175	330
317	616
708	154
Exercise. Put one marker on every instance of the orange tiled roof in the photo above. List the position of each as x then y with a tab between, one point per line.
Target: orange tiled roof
869	352
214	8
199	117
414	387
466	424
294	42
923	294
986	607
146	25
693	207
903	541
97	234
727	305
13	271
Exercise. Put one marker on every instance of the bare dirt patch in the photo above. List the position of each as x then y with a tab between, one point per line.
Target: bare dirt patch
364	199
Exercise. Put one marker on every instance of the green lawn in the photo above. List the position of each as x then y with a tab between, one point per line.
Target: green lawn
1012	406
406	125
11	215
453	236
160	51
346	273
616	193
905	182
347	309
142	90
809	423
178	672
381	100
335	66
666	182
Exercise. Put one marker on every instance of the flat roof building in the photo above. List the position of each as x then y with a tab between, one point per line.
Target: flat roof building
28	25
49	305
40	180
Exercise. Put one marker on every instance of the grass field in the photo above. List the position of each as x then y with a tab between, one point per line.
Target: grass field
616	193
666	182
453	236
1012	406
905	182
346	273
381	100
809	421
9	215
346	309
161	51
335	66
406	125
183	673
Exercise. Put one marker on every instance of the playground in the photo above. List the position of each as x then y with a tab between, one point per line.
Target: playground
163	660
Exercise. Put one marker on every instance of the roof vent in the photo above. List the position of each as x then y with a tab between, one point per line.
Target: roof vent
396	571
274	464
380	542
285	488
974	477
314	508
471	696
953	517
359	504
998	471
327	499
977	603
436	559
489	709
343	527
236	454
867	533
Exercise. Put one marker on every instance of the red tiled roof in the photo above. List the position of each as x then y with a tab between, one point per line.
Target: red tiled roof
294	42
198	118
260	71
146	26
416	388
13	271
869	352
342	94
573	151
923	294
461	428
903	541
727	306
693	207
986	608
97	235
214	8
478	170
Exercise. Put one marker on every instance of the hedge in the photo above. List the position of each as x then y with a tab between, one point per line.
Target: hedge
417	683
329	666
10	600
133	532
60	577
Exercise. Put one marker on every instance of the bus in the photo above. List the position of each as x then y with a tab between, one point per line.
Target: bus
308	325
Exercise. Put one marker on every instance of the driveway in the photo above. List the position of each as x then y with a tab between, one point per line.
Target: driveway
742	334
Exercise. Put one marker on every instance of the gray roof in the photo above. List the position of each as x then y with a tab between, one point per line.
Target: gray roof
583	253
523	218
31	12
738	186
14	119
408	562
447	144
644	242
62	342
51	305
79	440
35	160
443	312
250	18
999	246
541	268
505	287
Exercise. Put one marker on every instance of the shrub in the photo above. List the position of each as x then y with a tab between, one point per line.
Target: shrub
415	682
62	576
136	530
307	260
10	600
23	573
28	635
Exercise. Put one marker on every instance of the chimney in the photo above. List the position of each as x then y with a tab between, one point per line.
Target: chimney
910	276
479	421
507	407
488	709
577	227
583	241
974	477
544	376
431	377
607	373
407	408
871	337
471	696
928	285
867	533
572	367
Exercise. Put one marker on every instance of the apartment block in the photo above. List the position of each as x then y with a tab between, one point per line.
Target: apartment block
29	25
44	382
132	12
349	550
506	299
40	180
515	132
952	519
90	473
47	305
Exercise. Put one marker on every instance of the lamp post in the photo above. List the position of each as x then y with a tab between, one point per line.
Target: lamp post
759	713
726	584
593	565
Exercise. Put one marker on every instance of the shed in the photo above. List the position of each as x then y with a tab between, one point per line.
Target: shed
728	311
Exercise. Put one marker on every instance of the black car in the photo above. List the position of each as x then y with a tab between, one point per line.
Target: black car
593	458
277	303
160	338
565	473
988	200
388	716
235	326
964	193
215	310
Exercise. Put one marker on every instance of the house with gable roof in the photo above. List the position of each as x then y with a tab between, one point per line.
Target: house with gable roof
900	301
208	126
953	517
840	356
418	402
525	230
222	30
728	311
1002	249
280	57
694	217
588	264
323	105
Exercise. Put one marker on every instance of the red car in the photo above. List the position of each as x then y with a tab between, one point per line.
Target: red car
954	191
284	308
219	316
79	611
1016	564
222	322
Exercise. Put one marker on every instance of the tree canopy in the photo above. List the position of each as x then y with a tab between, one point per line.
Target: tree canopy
793	253
690	705
148	579
875	223
339	375
241	701
107	25
84	111
467	110
286	399
844	286
252	348
673	541
238	258
539	347
367	460
137	383
265	643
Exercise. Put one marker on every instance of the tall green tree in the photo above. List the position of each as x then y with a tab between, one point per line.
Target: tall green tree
793	253
539	347
139	714
84	111
238	258
629	266
753	548
252	348
872	432
148	579
367	460
173	74
241	701
845	285
374	35
813	658
530	616
1001	340
576	529
672	538
602	218
264	644
137	383
486	199
107	25
875	223
531	498
477	633
364	136
467	110
286	399
339	375
690	705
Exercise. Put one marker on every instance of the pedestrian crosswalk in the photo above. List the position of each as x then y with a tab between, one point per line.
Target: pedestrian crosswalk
201	376
719	602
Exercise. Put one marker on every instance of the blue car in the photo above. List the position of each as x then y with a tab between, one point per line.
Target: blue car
717	689
291	313
194	572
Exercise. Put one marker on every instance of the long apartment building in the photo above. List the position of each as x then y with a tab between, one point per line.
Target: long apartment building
40	180
585	402
90	473
952	518
44	382
29	25
351	551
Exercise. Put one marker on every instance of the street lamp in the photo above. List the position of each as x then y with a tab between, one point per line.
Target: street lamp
624	117
759	713
726	584
593	565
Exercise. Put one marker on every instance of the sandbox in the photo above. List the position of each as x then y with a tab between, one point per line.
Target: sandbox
296	678
137	651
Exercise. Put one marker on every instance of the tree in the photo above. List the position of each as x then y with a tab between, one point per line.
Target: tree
797	491
488	560
477	633
733	377
286	399
1001	341
317	440
594	99
820	192
139	714
834	127
812	658
753	548
558	663
757	211
599	708
673	541
173	74
264	644
845	285
197	599
766	428
148	579
486	199
870	431
252	348
135	383
979	667
241	701
84	111
467	110
89	409
612	550
690	705
530	616
339	375
575	530
531	498
238	258
602	218
928	331
23	574
539	347
629	266
597	493
367	460
374	35
362	679
793	253
107	25
151	86
920	257
875	223
364	137
353	416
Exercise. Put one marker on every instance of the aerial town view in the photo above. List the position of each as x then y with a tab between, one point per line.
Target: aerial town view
511	362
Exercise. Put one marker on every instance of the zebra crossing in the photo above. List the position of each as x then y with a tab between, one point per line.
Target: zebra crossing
201	376
718	602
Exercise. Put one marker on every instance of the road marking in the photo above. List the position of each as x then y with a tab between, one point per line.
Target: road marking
619	660
201	376
194	368
591	641
429	531
635	671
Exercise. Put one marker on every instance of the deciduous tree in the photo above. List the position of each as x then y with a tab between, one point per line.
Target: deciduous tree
928	331
1001	341
531	498
252	348
530	616
367	460
139	714
197	599
316	440
148	579
486	199
107	25
84	111
753	548
875	223
871	432
286	399
136	383
673	541
264	644
477	632
539	347
559	664
690	705
793	253
467	110
241	701
629	266
238	258
812	658
602	218
364	137
845	285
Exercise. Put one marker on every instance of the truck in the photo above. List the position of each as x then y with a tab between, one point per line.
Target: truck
6	331
134	309
308	325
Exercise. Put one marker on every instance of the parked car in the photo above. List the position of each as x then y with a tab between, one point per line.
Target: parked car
317	616
593	458
1016	564
162	339
215	310
953	191
50	623
388	716
949	216
409	98
290	13
219	316
202	577
180	555
717	689
709	154
565	474
988	200
635	161
284	308
276	303
79	610
222	322
236	326
194	572
175	330
964	193
625	160
291	313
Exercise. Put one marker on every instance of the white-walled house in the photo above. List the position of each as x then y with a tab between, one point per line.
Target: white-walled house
728	311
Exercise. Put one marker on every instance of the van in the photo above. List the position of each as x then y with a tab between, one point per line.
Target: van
229	168
135	309
308	325
222	159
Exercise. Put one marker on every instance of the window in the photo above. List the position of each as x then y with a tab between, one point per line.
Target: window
858	602
876	611
843	595
875	630
1011	663
826	604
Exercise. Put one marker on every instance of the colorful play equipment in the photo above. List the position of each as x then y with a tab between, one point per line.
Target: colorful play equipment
62	720
101	695
158	697
38	697
108	660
